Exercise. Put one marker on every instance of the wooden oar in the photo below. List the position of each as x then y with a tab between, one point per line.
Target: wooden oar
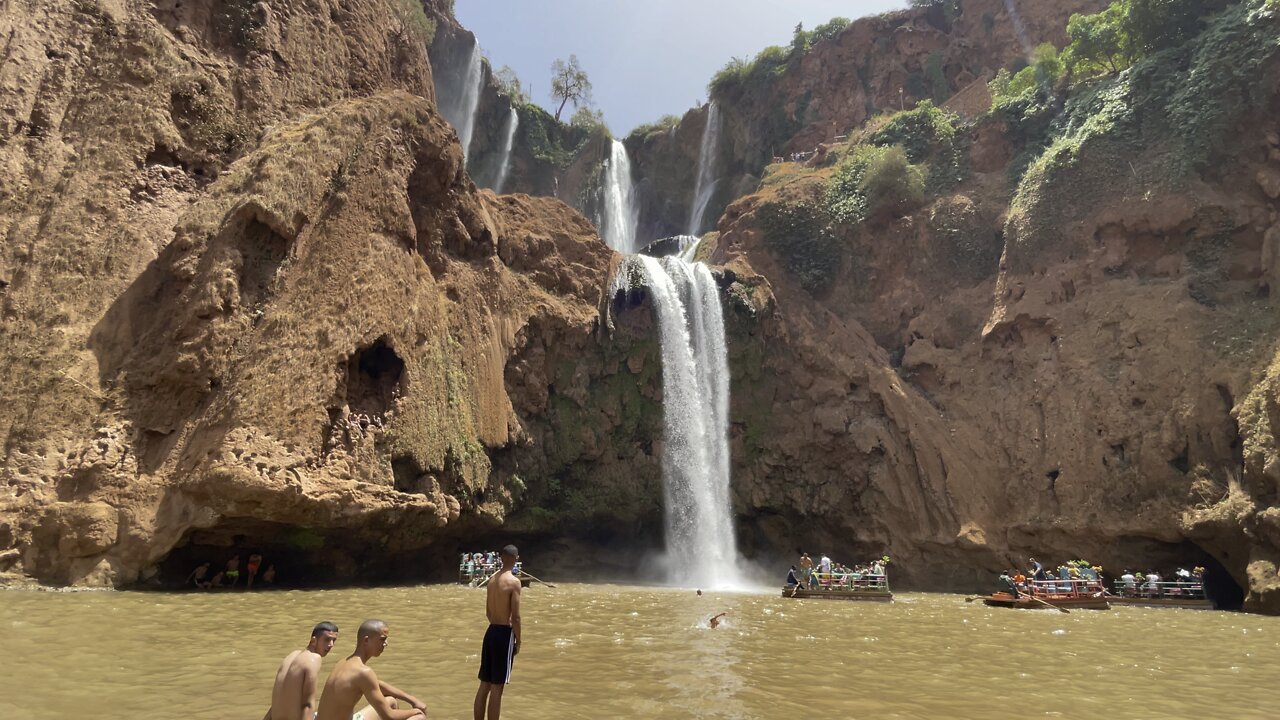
486	580
971	599
544	582
1042	602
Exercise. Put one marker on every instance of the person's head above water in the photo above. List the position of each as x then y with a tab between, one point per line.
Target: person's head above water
510	555
371	638
323	637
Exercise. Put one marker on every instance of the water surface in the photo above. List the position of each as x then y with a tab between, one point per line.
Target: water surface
624	652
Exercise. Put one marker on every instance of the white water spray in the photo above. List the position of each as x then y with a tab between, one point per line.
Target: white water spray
509	136
702	549
705	185
461	111
620	214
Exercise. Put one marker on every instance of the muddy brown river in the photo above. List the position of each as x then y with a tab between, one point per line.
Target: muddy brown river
633	652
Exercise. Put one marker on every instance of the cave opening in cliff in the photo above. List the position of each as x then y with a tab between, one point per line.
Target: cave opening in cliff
1219	585
302	557
374	374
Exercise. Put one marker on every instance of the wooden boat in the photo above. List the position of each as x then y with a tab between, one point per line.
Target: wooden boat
1066	601
1189	603
838	594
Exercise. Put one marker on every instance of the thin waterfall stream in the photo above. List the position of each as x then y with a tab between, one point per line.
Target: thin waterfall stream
620	216
705	185
460	110
504	163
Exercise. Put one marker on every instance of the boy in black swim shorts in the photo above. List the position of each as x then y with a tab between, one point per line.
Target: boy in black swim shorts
502	639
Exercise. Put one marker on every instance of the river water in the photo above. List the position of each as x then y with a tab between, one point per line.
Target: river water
623	652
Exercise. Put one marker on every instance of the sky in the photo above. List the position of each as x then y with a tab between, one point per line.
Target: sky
645	58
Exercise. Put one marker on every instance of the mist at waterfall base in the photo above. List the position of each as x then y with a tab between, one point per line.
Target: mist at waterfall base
701	547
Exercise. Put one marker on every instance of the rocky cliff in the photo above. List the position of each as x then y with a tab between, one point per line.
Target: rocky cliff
1077	363
252	299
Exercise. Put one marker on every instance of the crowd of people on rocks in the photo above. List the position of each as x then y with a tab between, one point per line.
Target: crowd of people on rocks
828	575
479	565
1078	577
203	577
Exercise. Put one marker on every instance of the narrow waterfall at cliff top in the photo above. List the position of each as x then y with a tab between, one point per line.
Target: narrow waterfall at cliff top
460	110
702	549
705	186
504	164
620	214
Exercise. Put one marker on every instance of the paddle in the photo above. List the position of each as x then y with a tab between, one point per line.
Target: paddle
486	580
1042	602
544	582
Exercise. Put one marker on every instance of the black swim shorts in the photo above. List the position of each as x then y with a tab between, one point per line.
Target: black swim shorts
496	655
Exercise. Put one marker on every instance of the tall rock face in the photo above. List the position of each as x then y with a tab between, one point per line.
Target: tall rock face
546	157
250	295
1081	365
794	100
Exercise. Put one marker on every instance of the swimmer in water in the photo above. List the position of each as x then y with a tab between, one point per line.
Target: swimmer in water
715	621
293	697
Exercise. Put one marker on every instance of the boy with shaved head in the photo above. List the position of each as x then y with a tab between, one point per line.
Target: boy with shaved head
501	640
293	697
353	679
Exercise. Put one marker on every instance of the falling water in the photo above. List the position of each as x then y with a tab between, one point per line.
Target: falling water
701	546
461	111
705	186
509	136
620	215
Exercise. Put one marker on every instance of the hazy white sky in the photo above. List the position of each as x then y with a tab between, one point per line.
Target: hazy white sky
645	58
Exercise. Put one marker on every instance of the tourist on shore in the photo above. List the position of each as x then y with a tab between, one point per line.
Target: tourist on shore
255	562
353	679
198	577
501	640
293	695
232	573
269	575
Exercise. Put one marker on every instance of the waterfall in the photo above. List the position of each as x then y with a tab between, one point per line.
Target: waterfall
701	547
620	215
460	110
509	136
705	186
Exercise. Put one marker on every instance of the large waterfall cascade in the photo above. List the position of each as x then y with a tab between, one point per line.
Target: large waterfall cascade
705	185
460	110
700	538
504	161
619	215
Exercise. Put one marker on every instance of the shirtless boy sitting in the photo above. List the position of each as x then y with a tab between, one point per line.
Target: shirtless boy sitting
353	679
293	697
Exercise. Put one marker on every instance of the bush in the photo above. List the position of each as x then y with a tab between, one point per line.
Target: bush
874	181
1043	76
1129	30
663	124
800	235
929	134
891	184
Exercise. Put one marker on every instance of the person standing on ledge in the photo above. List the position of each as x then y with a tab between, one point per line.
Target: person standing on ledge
502	639
353	678
293	697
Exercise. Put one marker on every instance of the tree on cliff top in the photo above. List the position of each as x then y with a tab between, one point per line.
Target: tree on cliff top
569	83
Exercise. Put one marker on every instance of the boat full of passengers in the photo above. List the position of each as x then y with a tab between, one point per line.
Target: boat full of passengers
833	581
475	568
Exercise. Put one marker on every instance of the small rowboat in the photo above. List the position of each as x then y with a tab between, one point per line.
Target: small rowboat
865	595
1067	602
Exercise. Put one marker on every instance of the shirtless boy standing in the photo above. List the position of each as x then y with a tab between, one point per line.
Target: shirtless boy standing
502	639
293	697
353	679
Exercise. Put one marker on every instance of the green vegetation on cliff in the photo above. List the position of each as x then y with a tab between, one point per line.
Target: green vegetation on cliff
1157	124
